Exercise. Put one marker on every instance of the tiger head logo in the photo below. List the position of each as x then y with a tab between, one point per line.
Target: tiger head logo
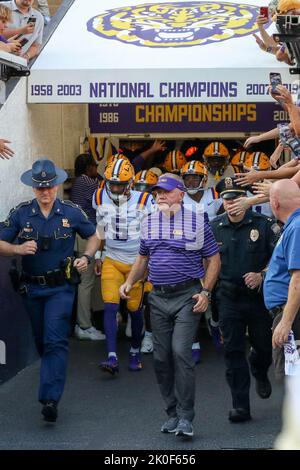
176	24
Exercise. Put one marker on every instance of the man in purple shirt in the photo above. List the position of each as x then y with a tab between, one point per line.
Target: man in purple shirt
174	242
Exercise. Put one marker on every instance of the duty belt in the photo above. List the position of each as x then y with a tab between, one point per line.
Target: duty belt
237	289
169	288
276	310
50	278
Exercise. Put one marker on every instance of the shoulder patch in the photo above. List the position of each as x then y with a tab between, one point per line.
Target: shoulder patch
275	228
69	203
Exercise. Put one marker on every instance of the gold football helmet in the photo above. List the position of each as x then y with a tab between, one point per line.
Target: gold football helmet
119	176
239	158
144	180
216	158
174	161
194	175
114	158
258	161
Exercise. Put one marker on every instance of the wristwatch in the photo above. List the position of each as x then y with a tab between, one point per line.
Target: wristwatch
88	257
207	293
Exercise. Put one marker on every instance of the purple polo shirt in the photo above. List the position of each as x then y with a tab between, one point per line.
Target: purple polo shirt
176	246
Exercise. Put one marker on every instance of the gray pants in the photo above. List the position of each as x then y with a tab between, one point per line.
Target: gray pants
173	327
43	7
278	353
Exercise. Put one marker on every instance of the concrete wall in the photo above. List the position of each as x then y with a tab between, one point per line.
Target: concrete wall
36	130
52	131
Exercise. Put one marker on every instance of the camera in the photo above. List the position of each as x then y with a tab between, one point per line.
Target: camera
288	27
12	65
45	243
32	19
12	60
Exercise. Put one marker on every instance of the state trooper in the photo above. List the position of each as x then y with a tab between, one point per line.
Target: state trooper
45	230
246	241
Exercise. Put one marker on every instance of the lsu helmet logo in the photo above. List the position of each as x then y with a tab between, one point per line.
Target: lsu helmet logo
177	24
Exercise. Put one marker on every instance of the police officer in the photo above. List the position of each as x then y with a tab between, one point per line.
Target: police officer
45	229
246	241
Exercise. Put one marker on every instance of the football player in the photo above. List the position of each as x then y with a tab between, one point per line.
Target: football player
119	213
216	159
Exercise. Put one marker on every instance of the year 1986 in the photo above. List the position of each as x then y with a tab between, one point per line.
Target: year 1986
58	90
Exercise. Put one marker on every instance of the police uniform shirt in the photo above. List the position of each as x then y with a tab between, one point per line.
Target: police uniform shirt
209	201
122	223
55	236
246	246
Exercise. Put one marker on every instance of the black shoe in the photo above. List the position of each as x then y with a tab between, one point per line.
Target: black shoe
49	411
263	387
239	415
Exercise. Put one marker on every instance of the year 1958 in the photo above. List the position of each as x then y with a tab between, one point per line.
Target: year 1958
59	90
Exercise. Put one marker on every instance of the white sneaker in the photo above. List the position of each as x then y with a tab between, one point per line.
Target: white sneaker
89	334
96	334
128	331
147	345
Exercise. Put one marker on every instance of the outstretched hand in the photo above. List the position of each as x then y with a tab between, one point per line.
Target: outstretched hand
5	151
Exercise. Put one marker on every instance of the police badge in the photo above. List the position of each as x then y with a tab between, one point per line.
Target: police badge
228	183
65	223
254	234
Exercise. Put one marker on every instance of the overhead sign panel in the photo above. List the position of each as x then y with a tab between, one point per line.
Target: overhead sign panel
125	51
141	118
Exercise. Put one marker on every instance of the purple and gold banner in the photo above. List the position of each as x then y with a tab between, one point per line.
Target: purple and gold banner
167	118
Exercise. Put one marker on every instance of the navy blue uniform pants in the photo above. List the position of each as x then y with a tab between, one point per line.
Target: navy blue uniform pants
236	316
50	311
